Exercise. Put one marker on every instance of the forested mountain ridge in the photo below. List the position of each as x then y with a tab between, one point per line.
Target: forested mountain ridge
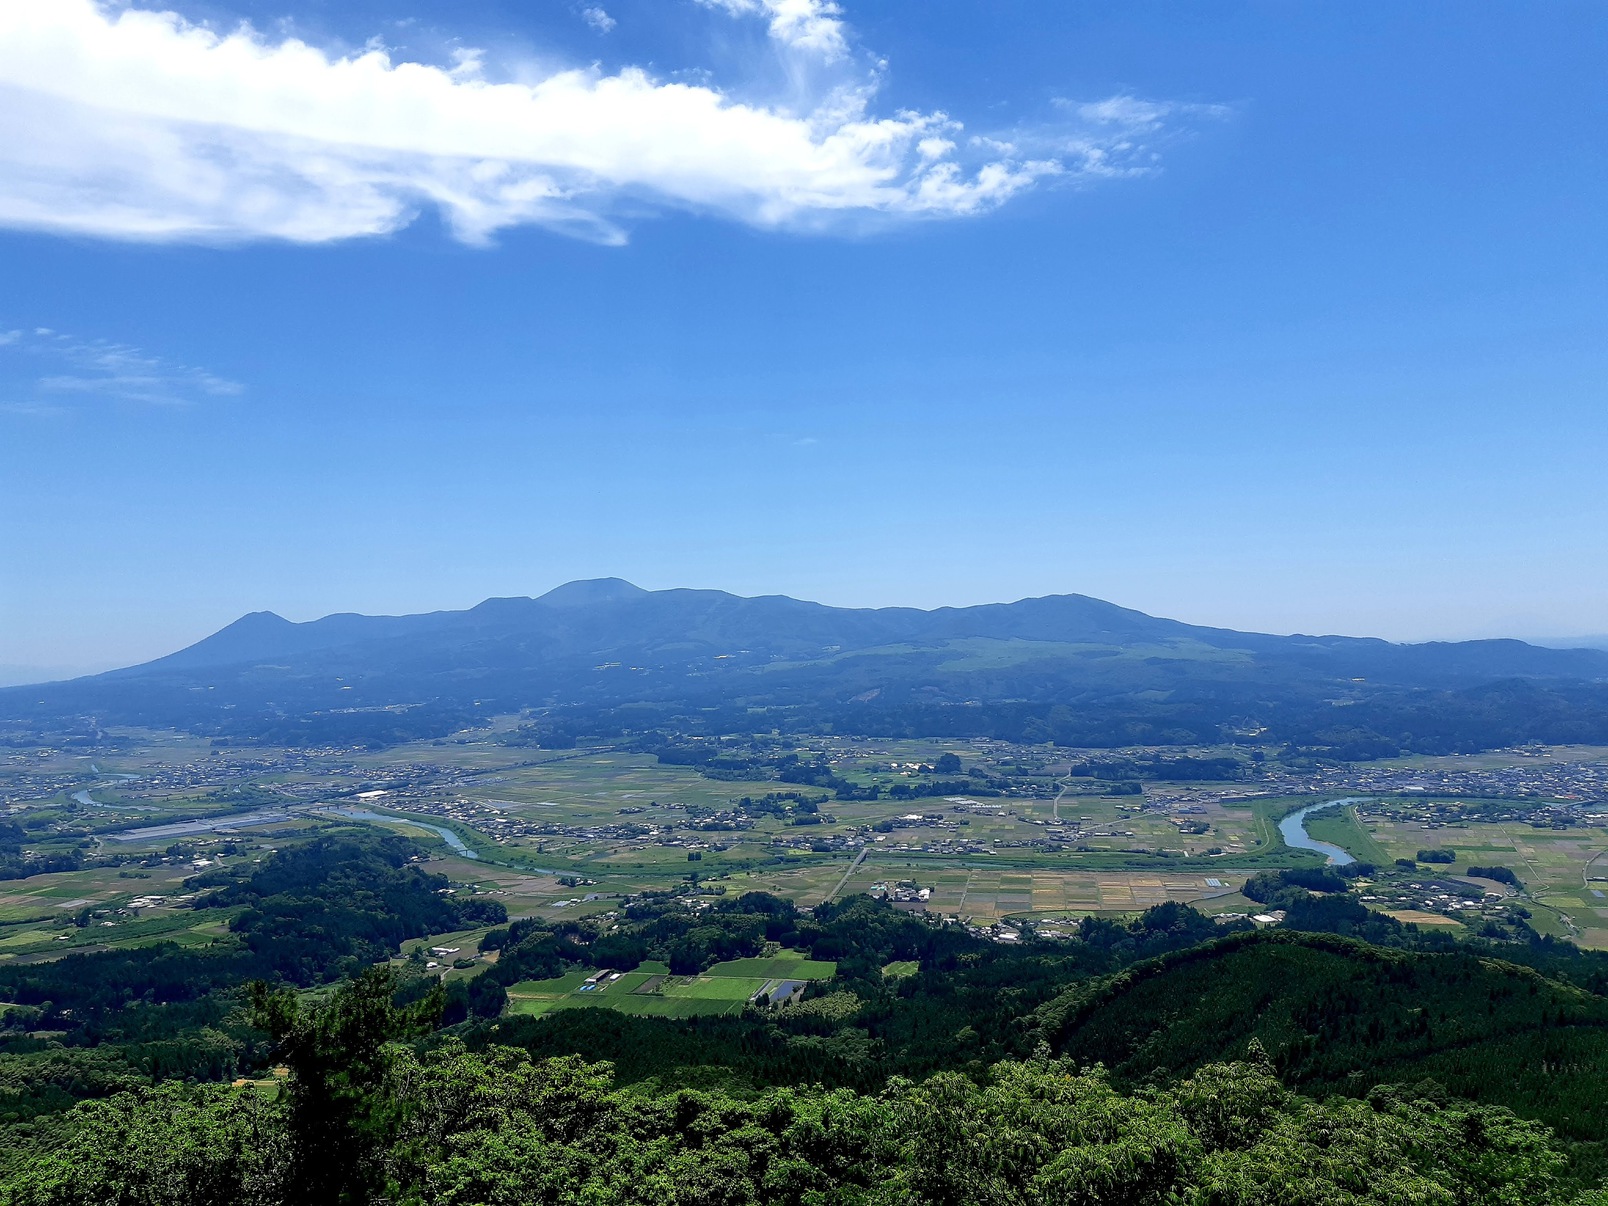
593	619
611	656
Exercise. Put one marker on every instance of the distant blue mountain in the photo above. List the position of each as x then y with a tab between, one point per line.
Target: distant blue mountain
607	644
609	616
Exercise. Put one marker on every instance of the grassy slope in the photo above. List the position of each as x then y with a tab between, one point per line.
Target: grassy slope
724	988
1340	827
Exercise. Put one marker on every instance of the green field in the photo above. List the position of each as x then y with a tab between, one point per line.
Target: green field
568	834
1558	866
651	991
1341	827
776	967
715	988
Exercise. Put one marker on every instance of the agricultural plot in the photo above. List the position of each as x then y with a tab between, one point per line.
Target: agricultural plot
595	786
616	822
791	966
1563	870
651	991
985	895
59	894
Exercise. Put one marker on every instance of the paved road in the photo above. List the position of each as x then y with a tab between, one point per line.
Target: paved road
1055	805
858	859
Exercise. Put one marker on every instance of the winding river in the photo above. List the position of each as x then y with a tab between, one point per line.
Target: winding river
1293	830
363	814
89	801
243	820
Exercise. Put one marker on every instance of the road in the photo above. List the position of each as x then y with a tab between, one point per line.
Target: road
1055	805
858	859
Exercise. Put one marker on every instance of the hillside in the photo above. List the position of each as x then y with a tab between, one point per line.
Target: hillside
1254	1069
1338	1015
616	656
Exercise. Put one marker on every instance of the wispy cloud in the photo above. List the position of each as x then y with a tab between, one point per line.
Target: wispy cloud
598	19
31	410
43	368
127	123
1116	138
815	26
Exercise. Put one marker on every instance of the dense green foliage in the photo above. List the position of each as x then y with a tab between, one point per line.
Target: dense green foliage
334	902
310	914
1337	1014
367	1119
1167	1059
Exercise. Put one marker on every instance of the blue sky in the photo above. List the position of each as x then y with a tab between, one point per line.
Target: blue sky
1273	316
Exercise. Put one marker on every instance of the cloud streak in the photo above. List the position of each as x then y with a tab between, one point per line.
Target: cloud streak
134	124
54	367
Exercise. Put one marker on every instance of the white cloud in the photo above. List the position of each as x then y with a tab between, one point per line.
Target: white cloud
1134	114
810	25
134	124
1127	111
598	19
51	365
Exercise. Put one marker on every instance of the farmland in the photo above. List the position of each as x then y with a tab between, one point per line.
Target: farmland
1003	832
651	990
1564	870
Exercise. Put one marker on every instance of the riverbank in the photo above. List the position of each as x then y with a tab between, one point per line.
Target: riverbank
1292	829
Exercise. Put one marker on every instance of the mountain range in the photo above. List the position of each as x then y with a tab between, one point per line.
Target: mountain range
606	646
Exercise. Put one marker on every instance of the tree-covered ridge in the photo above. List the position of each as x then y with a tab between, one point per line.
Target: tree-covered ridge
455	1127
1171	1003
310	914
337	901
1341	1015
500	1129
89	1025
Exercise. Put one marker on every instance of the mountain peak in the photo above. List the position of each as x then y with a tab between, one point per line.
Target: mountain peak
259	620
588	592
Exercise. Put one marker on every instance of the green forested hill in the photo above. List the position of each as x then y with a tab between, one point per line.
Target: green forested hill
1336	1014
1166	1059
367	1121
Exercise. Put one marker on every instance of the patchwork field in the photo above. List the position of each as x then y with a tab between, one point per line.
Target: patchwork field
1565	871
651	990
566	834
984	895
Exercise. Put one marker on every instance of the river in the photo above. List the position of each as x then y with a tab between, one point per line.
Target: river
240	820
363	814
1293	830
89	801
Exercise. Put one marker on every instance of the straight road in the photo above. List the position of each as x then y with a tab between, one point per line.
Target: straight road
858	859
